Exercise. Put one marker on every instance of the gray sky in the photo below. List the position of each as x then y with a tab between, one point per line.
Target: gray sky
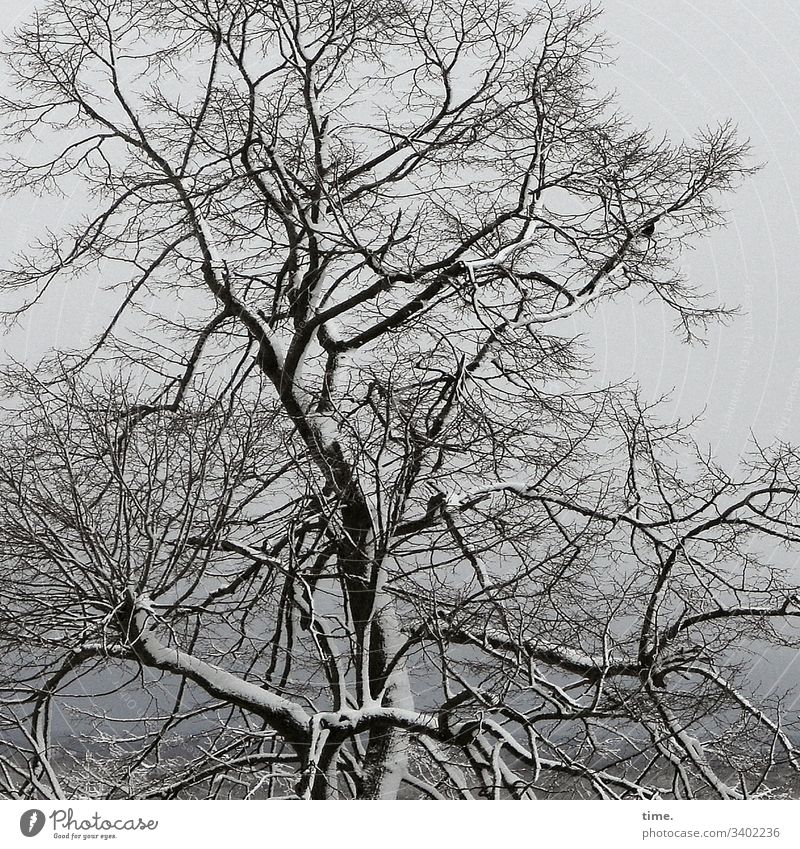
681	65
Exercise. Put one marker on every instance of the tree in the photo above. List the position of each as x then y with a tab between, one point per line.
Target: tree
356	506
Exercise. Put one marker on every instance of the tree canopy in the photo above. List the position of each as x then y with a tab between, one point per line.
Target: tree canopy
335	482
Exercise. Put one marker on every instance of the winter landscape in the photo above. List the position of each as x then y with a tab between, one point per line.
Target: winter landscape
333	479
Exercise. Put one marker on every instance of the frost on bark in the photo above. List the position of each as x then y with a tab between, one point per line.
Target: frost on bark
332	506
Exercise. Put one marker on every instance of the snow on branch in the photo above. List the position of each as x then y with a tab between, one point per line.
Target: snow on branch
580	303
568	658
284	715
515	485
526	239
218	263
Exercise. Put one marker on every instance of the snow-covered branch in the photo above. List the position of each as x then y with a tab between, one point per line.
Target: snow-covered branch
283	714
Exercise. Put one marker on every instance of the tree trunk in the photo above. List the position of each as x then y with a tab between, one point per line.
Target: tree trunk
388	748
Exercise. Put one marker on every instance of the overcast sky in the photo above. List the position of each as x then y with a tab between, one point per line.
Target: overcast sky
680	65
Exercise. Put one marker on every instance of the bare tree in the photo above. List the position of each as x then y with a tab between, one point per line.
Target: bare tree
356	513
